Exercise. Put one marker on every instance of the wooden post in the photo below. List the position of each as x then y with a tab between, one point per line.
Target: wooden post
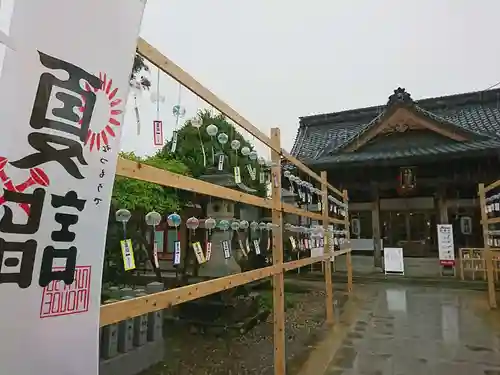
330	319
377	233
488	256
348	256
278	279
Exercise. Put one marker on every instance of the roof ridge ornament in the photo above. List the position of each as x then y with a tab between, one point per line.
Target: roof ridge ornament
400	96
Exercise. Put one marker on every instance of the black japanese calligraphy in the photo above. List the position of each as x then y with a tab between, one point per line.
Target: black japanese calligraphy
102	174
80	126
97	201
69	200
35	203
47	153
16	262
99	187
47	272
104	161
65	219
105	148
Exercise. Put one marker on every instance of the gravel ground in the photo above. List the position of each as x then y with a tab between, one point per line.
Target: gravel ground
252	353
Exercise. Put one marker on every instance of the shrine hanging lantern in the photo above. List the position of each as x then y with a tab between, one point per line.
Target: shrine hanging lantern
407	180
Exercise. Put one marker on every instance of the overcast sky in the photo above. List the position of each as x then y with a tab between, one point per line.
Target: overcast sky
276	60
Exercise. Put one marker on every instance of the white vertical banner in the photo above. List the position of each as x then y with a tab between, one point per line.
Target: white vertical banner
446	247
63	90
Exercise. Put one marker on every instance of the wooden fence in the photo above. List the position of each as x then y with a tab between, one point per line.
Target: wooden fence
490	217
123	310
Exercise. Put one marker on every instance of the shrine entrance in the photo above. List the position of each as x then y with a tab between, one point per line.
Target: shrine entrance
410	230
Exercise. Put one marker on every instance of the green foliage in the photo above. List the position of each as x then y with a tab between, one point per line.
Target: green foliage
189	150
136	195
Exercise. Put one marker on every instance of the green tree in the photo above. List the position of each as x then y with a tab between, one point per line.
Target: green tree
189	150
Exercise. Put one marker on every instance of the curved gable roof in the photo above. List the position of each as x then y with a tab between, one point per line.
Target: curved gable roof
475	116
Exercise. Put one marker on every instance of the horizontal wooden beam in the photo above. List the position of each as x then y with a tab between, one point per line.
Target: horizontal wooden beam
119	311
337	221
173	70
289	266
492	186
494	220
143	172
290	209
166	65
341	252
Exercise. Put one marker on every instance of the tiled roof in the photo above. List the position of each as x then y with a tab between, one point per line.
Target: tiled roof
321	137
450	148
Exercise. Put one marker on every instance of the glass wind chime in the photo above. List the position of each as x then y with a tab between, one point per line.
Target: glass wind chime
305	192
249	236
158	99
179	112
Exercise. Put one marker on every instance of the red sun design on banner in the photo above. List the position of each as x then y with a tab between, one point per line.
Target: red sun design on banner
99	138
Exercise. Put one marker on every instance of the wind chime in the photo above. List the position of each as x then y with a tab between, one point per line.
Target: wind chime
123	216
192	224
179	112
212	131
174	220
226	244
153	219
158	99
196	122
235	226
210	225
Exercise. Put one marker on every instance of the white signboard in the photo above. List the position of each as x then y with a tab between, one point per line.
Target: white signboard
446	246
63	90
393	260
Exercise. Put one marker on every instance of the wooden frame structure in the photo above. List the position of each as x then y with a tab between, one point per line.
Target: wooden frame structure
473	264
491	252
119	311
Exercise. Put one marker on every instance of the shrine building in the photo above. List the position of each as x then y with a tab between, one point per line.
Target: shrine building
408	166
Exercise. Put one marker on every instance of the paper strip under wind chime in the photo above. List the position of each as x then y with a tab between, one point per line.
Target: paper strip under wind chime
235	146
179	112
198	252
137	117
226	248
210	225
235	226
158	132
157	98
196	123
127	254
222	138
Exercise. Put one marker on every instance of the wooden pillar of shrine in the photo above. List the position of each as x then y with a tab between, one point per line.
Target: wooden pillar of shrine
377	235
442	207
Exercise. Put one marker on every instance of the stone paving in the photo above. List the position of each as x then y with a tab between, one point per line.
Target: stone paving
410	330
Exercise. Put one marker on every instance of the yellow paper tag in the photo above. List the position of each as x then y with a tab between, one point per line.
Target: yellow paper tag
198	251
242	248
128	254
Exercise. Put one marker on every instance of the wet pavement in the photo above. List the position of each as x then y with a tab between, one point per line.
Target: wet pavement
412	330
